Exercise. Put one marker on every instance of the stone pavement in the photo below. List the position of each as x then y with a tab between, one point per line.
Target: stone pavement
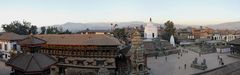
4	70
175	66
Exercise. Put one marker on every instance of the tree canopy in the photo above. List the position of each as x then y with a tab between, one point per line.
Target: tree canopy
119	33
169	27
56	30
43	30
22	28
169	30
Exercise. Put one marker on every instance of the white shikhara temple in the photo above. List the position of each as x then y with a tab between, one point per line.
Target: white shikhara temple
150	30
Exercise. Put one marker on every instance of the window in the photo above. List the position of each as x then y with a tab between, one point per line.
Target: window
14	46
153	35
100	62
61	60
5	46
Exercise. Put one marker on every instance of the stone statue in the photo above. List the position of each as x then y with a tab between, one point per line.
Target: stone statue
204	61
195	61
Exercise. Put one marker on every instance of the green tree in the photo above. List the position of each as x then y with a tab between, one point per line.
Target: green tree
67	32
52	30
17	27
169	27
119	33
43	30
33	30
168	30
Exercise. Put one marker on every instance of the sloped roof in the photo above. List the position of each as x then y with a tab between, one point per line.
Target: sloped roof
31	62
11	36
30	40
79	39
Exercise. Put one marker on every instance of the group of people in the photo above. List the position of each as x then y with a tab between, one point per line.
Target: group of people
180	54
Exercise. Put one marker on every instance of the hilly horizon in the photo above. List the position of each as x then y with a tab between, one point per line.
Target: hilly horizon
75	27
227	25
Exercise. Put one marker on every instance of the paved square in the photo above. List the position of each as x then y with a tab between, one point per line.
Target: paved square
175	66
4	70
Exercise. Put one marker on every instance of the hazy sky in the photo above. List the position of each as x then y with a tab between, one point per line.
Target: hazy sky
49	12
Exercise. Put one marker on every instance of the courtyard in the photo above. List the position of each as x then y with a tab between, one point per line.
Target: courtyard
174	64
4	70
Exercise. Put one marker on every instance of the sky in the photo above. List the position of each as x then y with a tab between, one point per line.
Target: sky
51	12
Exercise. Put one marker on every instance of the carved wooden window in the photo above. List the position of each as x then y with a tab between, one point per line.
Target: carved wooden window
70	61
100	62
89	63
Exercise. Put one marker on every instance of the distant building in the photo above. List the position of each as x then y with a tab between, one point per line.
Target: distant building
185	34
235	46
8	44
224	37
94	32
223	48
150	31
77	53
202	32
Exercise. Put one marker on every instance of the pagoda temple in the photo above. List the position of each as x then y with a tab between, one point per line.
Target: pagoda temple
137	57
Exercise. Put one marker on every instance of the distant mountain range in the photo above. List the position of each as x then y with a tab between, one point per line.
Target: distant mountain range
227	25
97	26
74	27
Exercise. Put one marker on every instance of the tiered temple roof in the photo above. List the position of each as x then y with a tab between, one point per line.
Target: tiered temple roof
34	62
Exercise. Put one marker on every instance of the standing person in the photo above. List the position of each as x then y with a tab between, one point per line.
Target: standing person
185	65
166	58
156	56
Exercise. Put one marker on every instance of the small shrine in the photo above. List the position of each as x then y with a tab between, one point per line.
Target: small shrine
197	65
31	63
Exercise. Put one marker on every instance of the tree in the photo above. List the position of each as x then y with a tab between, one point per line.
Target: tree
17	27
43	30
169	30
53	30
33	30
119	33
169	27
67	32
